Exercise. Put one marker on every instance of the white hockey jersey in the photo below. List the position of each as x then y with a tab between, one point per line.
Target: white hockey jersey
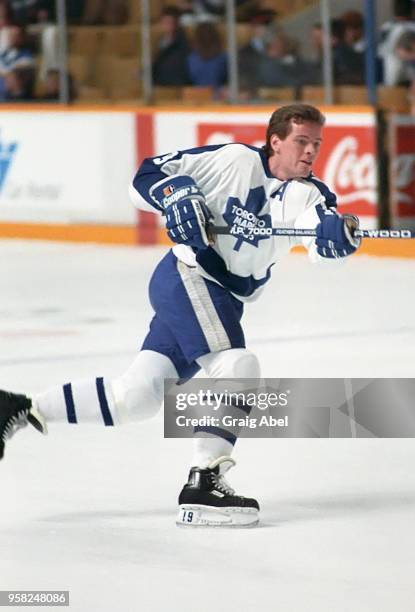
239	190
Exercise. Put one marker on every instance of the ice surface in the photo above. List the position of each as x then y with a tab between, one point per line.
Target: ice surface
92	509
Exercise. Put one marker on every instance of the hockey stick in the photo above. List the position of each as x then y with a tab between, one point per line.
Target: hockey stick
235	230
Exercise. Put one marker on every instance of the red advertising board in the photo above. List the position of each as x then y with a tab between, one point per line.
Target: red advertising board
403	168
346	162
147	222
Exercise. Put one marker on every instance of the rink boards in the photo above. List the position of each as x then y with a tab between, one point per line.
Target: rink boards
64	174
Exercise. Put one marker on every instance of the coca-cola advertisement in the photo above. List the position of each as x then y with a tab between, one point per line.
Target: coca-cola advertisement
403	170
346	163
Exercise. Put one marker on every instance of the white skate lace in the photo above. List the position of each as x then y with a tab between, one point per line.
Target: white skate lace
219	480
222	484
13	424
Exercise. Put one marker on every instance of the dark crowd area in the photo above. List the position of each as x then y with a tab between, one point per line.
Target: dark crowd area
189	49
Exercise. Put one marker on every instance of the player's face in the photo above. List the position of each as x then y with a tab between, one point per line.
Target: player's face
293	157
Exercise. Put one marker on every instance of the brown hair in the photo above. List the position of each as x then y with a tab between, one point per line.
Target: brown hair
281	121
353	19
207	41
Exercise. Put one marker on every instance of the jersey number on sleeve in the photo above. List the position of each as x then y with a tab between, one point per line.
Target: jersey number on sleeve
161	160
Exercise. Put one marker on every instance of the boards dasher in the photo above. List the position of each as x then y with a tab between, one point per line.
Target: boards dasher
200	288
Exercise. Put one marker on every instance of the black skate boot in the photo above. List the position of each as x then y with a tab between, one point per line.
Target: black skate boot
207	499
16	411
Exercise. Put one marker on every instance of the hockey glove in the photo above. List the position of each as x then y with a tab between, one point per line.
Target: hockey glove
185	210
335	235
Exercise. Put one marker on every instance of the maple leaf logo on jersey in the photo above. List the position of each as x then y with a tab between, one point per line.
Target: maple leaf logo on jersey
243	219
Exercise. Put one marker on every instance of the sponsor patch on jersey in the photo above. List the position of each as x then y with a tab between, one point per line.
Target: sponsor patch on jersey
168	190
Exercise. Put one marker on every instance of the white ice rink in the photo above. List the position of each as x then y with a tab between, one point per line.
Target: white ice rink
91	509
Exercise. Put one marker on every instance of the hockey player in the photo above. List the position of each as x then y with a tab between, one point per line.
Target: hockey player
199	289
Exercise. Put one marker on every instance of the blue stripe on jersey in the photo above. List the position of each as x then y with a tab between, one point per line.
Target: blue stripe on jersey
106	414
329	196
148	174
214	265
217	431
70	405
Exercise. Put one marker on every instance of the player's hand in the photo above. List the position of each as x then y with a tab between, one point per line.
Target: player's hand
186	213
335	235
186	222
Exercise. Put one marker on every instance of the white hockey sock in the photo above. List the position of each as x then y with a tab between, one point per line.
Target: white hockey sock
134	396
206	449
82	401
237	367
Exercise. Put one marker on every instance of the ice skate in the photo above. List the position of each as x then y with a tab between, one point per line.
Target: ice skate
16	411
208	500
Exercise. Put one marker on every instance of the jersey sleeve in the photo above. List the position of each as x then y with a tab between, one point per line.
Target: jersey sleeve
155	170
149	174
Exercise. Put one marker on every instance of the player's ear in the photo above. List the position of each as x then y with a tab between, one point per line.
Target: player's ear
275	143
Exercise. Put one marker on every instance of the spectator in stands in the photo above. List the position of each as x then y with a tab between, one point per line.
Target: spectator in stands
354	37
17	56
170	65
316	37
280	66
17	67
354	33
348	63
108	12
405	51
5	26
17	86
207	63
249	55
25	12
390	32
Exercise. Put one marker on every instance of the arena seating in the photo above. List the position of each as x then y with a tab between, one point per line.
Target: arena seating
105	64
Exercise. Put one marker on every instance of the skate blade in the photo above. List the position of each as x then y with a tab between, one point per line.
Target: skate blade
36	419
192	515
